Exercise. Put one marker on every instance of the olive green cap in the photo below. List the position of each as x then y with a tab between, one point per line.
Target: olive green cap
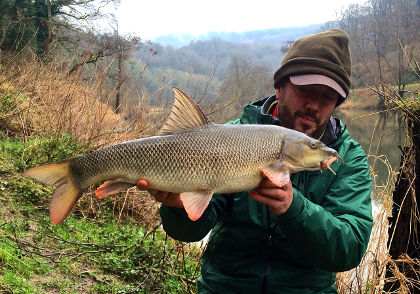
326	53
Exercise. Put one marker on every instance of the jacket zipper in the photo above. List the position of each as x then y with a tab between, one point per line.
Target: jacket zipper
270	233
270	252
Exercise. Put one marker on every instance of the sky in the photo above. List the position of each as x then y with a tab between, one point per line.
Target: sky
152	18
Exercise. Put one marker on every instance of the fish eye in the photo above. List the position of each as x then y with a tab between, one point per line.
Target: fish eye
313	145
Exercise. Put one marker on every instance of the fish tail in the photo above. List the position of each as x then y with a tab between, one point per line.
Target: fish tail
66	193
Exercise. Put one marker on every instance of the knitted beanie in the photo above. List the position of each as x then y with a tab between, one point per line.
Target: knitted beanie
326	53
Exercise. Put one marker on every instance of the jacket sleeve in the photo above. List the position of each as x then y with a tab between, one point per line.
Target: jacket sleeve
176	223
334	236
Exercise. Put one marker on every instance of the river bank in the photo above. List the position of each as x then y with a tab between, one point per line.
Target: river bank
369	99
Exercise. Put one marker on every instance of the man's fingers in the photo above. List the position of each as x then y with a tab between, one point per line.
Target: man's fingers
270	192
160	196
142	184
154	192
170	199
262	198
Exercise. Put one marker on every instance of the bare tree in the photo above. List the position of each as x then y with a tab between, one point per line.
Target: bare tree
243	83
384	36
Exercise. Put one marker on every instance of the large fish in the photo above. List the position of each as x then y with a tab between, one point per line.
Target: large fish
192	156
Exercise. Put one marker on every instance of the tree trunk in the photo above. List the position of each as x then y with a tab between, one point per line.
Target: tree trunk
404	232
49	26
119	83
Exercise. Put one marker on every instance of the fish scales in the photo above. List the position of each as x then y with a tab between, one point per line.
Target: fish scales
213	157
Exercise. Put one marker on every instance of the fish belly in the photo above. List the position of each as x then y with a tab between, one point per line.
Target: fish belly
220	159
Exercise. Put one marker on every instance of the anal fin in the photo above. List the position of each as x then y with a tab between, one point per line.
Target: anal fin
111	188
195	203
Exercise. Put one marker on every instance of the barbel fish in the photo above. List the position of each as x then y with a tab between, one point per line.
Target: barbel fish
191	156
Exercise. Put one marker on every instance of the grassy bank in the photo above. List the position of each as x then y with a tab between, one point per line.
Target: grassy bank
114	245
371	99
100	248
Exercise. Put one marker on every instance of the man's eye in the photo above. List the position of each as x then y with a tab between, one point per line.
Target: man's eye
330	97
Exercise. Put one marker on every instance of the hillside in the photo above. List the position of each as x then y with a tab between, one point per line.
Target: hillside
206	64
199	55
267	36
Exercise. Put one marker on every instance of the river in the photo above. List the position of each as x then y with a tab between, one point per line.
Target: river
379	133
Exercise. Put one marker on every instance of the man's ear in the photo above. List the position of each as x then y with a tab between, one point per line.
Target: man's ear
280	92
277	93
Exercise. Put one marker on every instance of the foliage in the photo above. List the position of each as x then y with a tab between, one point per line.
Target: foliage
243	83
35	23
201	57
39	151
24	22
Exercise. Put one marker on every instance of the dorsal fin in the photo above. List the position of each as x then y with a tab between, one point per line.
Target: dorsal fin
185	114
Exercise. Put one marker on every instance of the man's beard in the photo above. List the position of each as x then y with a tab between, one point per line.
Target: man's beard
288	120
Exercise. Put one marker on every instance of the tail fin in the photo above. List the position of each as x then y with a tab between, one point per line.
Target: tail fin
66	193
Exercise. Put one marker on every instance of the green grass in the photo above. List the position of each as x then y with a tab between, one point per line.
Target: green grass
83	255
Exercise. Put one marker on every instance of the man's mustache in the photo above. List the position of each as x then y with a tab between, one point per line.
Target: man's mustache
310	114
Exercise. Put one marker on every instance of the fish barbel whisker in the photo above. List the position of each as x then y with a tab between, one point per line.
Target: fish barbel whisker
327	162
342	160
328	166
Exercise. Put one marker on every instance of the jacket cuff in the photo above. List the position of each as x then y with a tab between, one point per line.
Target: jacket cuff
180	212
294	210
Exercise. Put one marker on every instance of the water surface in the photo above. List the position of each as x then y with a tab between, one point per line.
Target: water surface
380	133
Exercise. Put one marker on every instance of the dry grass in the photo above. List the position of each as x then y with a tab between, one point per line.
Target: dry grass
133	203
49	102
378	267
368	277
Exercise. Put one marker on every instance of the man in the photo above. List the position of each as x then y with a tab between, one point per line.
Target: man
290	239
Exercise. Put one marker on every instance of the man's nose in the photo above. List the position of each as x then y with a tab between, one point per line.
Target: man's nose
313	103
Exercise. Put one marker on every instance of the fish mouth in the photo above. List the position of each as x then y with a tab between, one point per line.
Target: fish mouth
325	164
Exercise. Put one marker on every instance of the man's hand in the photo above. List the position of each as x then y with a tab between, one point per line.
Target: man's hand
169	199
277	198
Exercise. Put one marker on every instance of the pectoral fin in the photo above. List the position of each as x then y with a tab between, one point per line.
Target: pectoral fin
195	203
277	173
111	188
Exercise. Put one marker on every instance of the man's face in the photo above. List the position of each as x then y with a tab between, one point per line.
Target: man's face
306	108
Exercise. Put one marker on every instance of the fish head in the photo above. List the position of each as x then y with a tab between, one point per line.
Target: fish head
305	153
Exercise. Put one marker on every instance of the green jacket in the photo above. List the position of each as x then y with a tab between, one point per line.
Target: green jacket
325	230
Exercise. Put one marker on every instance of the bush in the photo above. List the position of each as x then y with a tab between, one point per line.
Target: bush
38	151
